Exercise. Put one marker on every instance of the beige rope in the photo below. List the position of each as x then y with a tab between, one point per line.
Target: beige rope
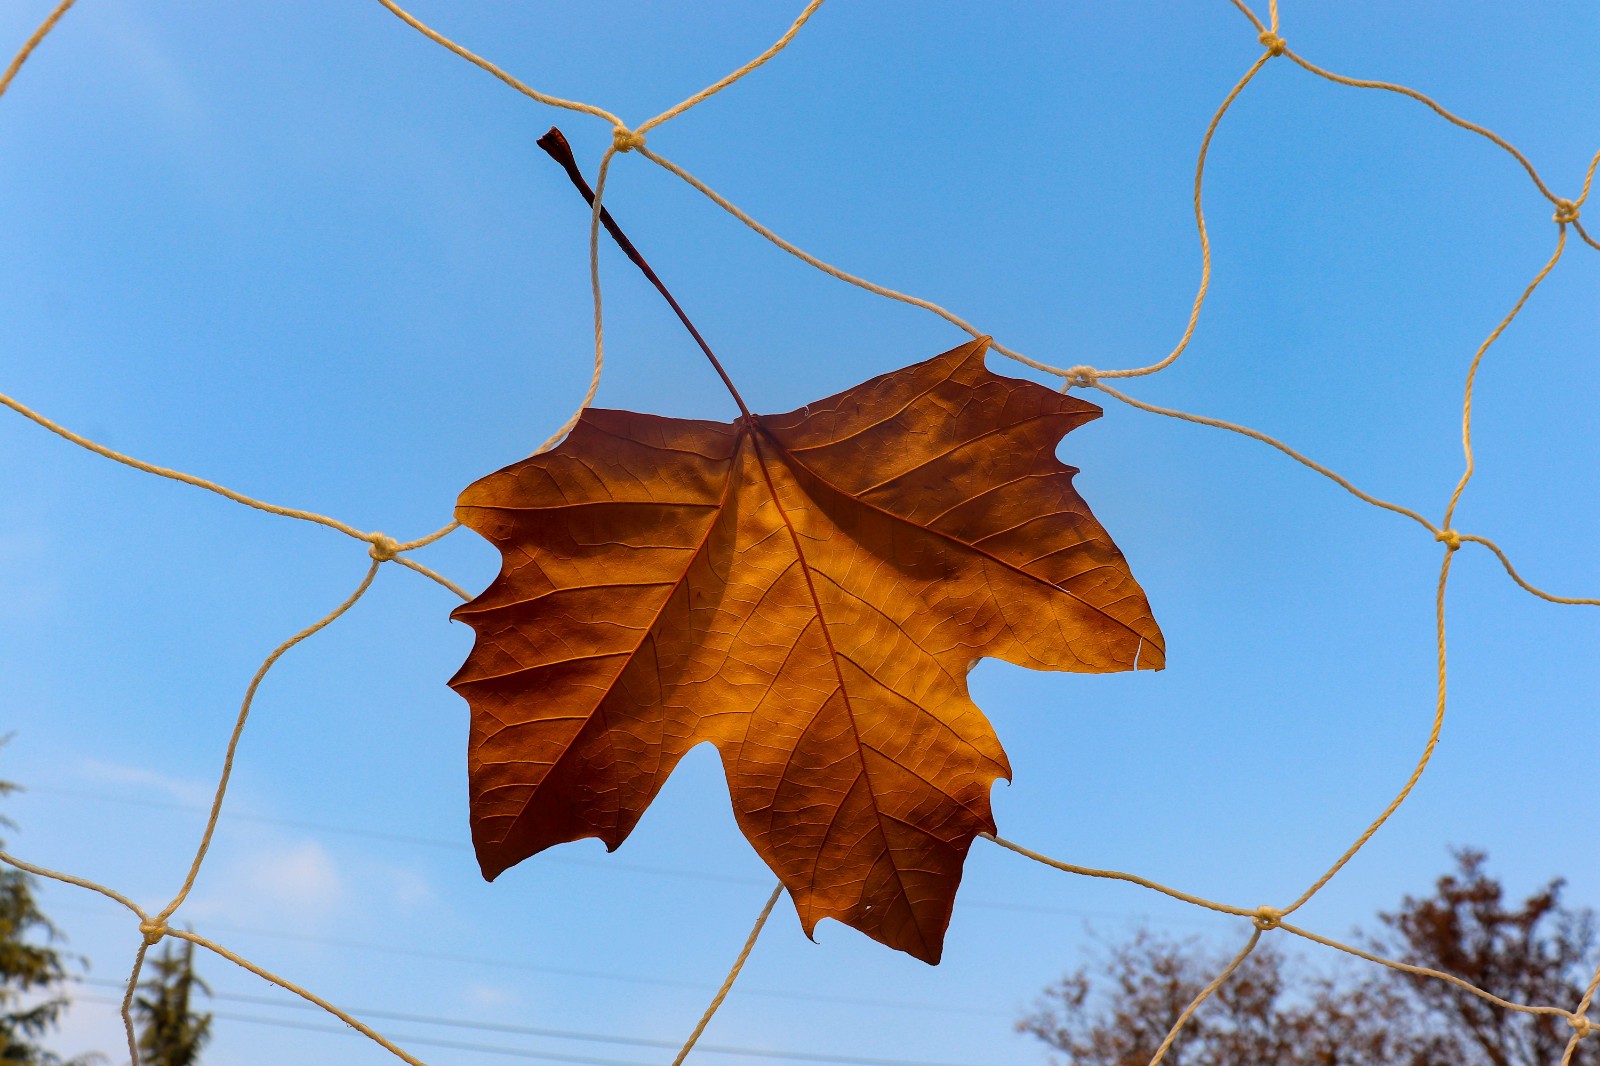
1268	918
211	486
1472	373
594	283
1566	210
310	997
624	139
238	731
382	548
127	1002
723	82
956	320
432	575
178	475
33	42
478	61
1200	222
1344	483
1274	46
1588	181
1452	543
733	975
1422	763
1582	1026
1251	15
423	542
1438	109
1205	994
1115	875
71	879
1232	427
1424	971
1273	915
1512	571
827	268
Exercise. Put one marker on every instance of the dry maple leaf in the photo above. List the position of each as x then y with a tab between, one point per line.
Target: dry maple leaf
807	592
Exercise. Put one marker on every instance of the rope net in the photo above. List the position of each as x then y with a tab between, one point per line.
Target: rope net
1263	919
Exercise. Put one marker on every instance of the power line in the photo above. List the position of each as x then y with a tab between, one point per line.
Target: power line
415	1041
392	838
527	1030
517	964
597	975
607	863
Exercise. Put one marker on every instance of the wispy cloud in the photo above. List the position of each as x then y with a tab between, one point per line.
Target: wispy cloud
409	891
489	997
302	877
180	790
297	883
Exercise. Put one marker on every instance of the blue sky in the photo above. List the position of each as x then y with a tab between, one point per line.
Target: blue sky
301	250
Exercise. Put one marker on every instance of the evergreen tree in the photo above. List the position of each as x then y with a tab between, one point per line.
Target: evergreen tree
171	1032
32	971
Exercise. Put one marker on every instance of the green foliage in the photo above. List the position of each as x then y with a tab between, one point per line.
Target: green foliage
171	1032
1274	1012
32	971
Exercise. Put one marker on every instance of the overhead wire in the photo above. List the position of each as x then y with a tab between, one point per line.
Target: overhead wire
563	971
609	863
383	548
577	1035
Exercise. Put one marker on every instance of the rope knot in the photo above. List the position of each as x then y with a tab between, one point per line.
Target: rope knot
1449	538
1582	1025
1566	211
1081	377
625	140
1274	44
153	931
1267	918
384	547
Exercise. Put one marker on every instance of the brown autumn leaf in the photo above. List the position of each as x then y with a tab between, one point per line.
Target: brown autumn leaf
806	591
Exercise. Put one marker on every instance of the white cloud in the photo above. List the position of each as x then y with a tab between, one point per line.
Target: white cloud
295	884
489	997
411	891
303	877
189	793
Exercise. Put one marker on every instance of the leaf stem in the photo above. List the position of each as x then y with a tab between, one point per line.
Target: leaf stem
556	146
